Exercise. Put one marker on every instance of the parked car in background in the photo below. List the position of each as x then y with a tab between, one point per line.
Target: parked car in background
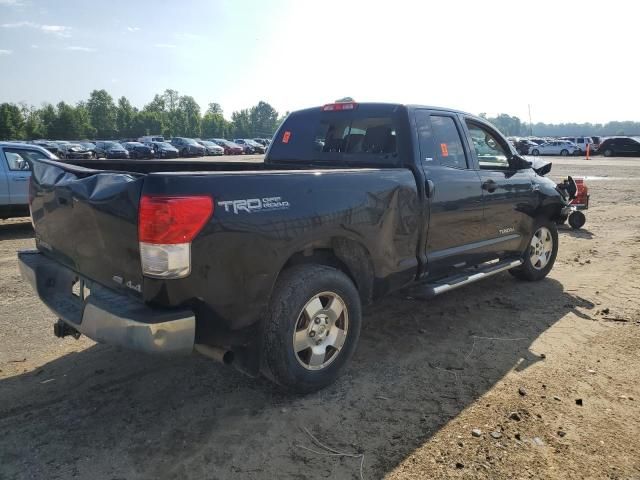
49	145
620	146
89	146
74	150
555	147
211	148
138	150
188	147
110	149
262	141
230	148
596	142
581	142
257	147
15	172
524	146
164	150
246	148
538	141
151	138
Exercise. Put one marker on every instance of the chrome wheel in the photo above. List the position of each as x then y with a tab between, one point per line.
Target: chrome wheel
321	330
541	248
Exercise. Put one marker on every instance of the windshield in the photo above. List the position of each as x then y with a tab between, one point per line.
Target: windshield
112	145
164	145
135	144
208	144
190	141
252	143
88	145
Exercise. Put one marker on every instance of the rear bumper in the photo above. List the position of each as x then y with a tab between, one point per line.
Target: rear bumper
107	316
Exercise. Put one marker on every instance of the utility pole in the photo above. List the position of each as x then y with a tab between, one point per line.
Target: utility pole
530	124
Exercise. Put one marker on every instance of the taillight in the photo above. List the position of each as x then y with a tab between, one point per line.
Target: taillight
166	227
335	107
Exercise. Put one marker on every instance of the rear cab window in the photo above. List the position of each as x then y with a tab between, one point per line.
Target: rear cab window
365	135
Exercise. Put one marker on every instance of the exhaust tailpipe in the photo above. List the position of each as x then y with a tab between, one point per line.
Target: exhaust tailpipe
218	354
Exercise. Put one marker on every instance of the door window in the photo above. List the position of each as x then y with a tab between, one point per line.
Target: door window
17	158
448	144
491	154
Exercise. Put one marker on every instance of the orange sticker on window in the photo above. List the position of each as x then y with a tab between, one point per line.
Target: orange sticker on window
444	149
286	137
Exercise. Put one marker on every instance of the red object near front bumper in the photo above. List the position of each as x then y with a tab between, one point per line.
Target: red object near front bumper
582	196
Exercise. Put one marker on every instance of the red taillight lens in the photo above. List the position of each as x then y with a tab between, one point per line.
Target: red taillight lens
170	220
336	107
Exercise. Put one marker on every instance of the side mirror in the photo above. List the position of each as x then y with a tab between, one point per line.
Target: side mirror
517	162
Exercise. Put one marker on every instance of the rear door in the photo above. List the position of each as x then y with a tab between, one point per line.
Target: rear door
454	193
508	194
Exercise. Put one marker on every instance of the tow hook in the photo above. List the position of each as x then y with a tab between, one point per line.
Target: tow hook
61	330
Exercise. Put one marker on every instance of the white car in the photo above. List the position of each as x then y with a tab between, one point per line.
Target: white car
555	147
582	143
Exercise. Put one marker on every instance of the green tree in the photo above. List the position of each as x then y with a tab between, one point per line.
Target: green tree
102	111
188	113
34	126
147	122
241	124
125	117
11	122
263	120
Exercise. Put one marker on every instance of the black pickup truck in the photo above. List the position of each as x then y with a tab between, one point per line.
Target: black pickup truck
266	265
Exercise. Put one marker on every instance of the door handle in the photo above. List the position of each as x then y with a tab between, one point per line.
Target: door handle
430	188
490	186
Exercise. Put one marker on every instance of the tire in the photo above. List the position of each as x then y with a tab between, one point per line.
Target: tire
301	303
535	152
564	152
608	152
543	229
577	220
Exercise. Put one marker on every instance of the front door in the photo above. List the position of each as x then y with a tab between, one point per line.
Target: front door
18	173
454	193
508	194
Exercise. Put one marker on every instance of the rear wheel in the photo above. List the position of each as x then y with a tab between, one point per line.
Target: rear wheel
311	328
535	152
577	220
541	254
564	152
608	152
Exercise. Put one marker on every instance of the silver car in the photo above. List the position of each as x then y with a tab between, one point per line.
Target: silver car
555	147
15	172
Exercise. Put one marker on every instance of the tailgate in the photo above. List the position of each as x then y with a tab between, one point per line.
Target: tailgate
87	220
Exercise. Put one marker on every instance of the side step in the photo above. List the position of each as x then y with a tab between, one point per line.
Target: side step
469	276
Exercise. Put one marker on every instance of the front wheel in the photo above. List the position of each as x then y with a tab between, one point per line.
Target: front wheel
564	152
541	253
608	152
311	328
535	152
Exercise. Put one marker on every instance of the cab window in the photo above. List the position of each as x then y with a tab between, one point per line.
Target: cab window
490	152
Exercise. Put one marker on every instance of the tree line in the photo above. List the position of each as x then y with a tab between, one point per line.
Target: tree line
513	126
100	117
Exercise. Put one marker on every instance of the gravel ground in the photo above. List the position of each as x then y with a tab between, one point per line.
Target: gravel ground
547	373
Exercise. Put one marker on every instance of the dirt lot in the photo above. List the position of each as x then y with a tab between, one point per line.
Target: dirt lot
424	376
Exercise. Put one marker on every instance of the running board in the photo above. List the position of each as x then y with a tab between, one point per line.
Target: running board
459	280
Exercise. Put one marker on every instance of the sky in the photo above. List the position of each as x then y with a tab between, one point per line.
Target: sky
572	61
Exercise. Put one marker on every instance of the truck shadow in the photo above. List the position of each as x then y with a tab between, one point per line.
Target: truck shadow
580	233
16	229
105	413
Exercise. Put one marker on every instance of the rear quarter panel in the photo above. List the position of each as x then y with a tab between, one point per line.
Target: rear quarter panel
262	218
